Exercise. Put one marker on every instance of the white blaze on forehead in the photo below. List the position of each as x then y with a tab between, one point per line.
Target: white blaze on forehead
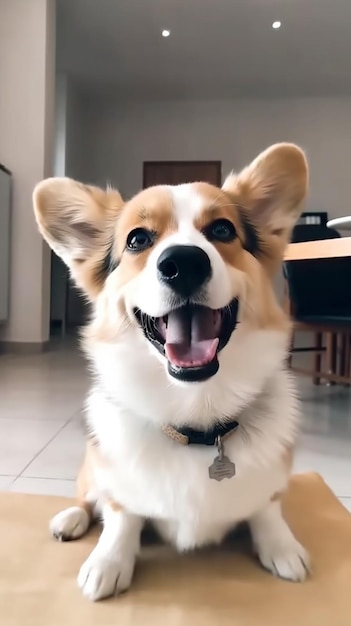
187	204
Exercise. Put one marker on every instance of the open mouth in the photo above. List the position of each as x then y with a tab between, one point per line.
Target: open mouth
190	337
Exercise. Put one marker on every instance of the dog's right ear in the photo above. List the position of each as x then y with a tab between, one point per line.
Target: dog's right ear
78	222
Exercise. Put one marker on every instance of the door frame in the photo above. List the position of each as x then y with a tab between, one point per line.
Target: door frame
217	164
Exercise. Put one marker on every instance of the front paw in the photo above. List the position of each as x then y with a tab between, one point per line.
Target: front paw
70	524
285	559
102	577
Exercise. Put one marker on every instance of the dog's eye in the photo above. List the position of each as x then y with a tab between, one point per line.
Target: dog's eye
140	239
220	230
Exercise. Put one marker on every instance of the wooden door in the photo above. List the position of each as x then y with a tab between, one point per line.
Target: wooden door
178	172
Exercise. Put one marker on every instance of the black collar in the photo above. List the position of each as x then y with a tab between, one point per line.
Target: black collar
208	437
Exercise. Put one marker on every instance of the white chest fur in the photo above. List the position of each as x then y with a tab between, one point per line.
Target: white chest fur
155	477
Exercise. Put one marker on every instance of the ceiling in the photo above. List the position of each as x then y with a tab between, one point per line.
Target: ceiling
217	48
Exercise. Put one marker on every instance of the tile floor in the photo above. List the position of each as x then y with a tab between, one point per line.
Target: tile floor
42	439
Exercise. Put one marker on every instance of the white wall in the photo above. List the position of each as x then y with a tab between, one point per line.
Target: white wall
123	135
70	156
27	70
77	132
60	125
71	128
58	268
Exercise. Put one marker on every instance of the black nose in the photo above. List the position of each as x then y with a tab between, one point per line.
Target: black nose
184	268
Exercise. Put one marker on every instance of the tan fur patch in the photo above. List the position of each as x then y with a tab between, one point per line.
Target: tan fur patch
220	206
261	303
86	481
288	458
151	209
117	508
276	497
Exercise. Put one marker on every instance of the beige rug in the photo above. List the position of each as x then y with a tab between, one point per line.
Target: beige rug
217	587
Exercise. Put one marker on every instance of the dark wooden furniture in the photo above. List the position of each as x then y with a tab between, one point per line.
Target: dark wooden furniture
178	172
318	302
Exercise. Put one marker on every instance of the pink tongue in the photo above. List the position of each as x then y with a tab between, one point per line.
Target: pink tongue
192	336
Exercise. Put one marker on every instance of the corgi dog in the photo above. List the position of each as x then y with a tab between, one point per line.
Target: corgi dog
192	416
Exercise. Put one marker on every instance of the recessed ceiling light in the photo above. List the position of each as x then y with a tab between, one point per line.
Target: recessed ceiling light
166	33
276	24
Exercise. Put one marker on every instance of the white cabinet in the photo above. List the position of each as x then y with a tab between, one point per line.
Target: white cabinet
5	198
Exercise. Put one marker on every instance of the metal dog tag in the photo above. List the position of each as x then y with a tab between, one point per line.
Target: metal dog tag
221	467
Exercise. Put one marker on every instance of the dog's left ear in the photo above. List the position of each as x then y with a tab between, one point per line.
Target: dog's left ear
271	191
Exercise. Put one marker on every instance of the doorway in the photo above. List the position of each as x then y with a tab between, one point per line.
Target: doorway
178	172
